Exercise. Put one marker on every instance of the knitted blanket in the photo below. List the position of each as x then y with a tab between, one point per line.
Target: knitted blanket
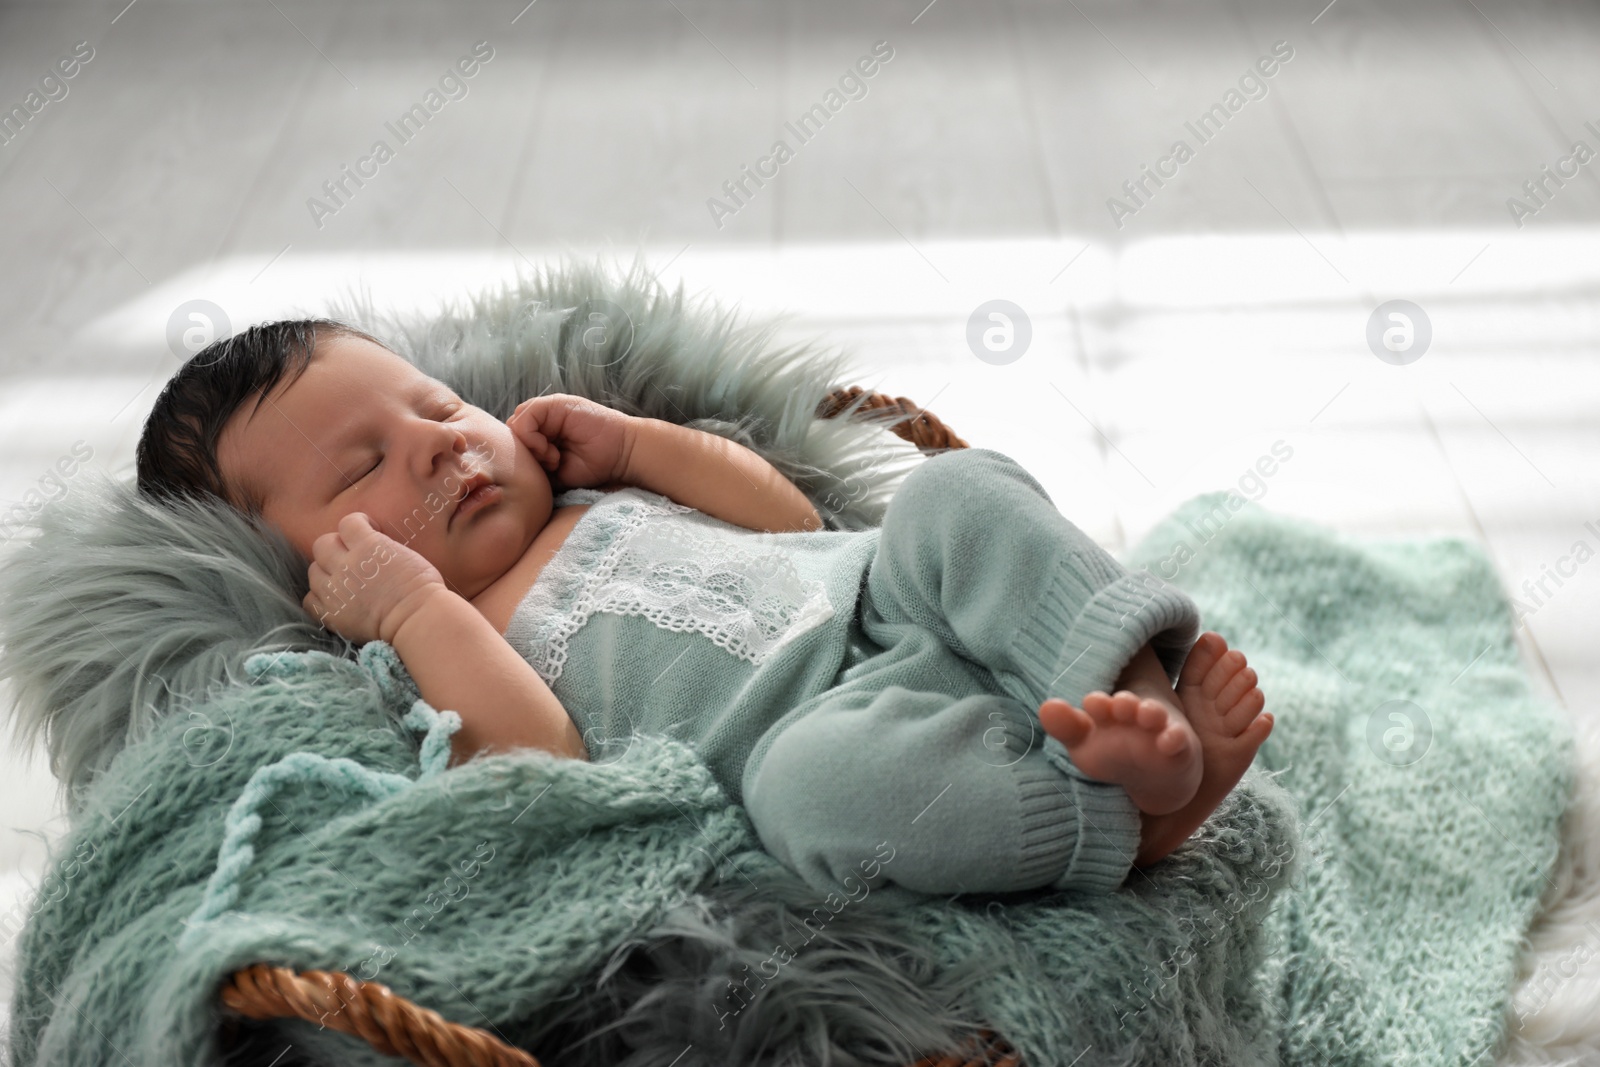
244	789
1430	778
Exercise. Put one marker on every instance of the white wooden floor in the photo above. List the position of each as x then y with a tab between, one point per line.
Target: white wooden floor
1226	313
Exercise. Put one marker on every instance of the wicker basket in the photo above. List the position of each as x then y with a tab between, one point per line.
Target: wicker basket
396	1027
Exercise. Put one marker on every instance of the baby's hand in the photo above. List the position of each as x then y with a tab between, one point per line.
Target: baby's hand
596	441
364	583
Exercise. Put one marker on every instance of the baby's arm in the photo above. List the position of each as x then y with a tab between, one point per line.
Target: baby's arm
716	475
584	443
461	662
364	585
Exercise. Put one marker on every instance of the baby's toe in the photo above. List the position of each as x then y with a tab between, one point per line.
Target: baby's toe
1203	655
1064	722
1238	717
1124	706
1231	663
1251	703
1172	741
1097	706
1237	686
1152	715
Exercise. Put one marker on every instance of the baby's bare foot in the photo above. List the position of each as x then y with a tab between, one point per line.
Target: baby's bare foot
1139	743
1223	705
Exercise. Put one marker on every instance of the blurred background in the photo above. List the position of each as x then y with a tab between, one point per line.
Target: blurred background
1339	257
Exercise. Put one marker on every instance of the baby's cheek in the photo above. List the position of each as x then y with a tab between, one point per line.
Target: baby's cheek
296	527
500	443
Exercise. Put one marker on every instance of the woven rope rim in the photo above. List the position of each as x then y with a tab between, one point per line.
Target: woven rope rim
394	1026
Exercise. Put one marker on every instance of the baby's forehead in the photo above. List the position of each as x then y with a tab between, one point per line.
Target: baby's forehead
373	372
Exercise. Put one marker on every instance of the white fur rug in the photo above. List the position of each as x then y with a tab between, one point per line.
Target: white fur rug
1555	1008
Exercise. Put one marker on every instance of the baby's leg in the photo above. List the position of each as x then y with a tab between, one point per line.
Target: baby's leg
972	548
955	786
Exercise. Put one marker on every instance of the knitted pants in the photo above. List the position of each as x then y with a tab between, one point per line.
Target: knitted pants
926	765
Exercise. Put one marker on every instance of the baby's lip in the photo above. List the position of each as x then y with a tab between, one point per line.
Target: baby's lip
474	482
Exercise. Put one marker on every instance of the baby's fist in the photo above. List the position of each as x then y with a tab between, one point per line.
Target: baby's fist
364	583
580	442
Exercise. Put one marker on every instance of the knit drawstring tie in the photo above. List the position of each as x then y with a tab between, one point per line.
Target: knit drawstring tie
242	823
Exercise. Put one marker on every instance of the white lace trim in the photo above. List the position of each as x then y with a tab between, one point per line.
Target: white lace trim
579	496
677	567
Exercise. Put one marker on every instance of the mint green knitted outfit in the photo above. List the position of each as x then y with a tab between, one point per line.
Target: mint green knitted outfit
866	694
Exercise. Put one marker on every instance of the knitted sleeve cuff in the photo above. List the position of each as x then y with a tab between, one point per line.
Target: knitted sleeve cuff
1076	833
1107	824
1068	656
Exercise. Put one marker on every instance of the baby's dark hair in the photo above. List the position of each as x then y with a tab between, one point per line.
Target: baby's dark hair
177	453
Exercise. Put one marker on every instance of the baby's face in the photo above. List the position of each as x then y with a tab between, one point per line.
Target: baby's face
364	430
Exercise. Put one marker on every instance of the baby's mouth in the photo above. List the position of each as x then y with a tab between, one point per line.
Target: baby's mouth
480	491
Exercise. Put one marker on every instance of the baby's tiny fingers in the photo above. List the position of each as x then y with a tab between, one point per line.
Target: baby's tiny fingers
529	434
358	520
314	608
327	545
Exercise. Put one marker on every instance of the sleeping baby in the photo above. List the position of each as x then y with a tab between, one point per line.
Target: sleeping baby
972	697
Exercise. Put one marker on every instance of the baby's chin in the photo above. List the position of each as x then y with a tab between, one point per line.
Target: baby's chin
495	544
